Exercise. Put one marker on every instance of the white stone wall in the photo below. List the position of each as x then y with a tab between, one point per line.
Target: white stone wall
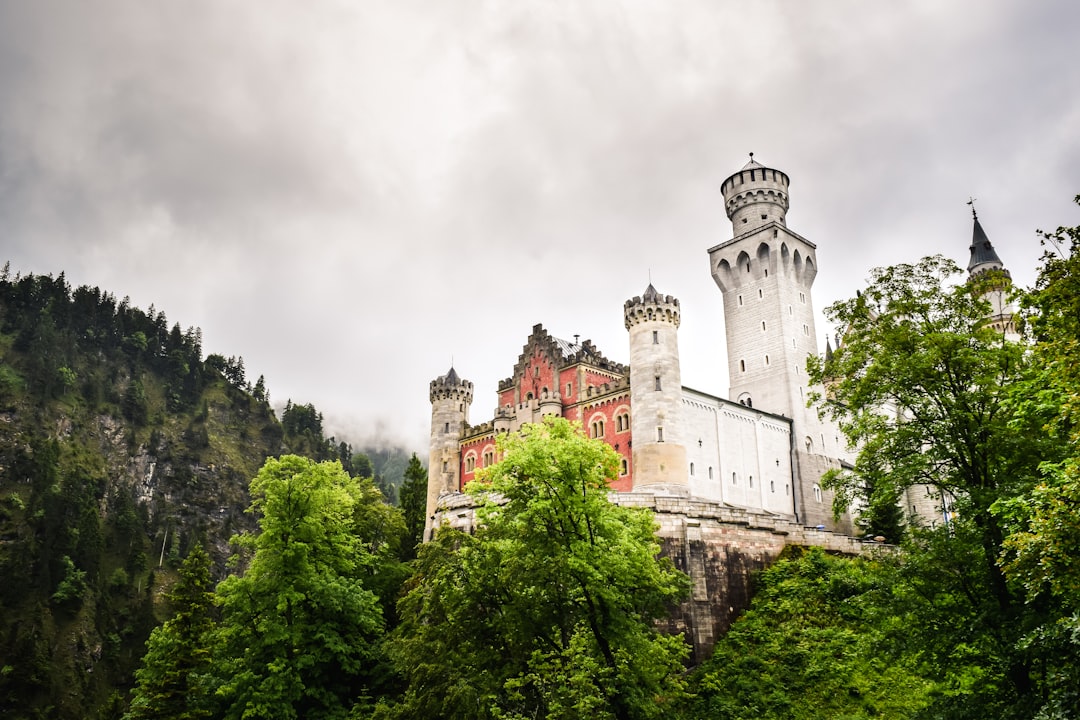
741	456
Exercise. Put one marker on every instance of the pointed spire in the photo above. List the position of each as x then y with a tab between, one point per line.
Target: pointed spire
650	294
828	350
452	376
982	252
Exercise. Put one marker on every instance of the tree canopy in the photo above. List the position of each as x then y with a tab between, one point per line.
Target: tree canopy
932	396
547	610
299	628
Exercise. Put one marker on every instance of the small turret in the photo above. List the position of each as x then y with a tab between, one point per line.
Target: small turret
983	255
984	259
450	400
755	196
659	452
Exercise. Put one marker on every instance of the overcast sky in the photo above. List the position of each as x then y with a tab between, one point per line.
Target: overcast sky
351	194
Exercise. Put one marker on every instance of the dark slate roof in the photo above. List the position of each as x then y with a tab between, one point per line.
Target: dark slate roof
982	251
452	376
650	294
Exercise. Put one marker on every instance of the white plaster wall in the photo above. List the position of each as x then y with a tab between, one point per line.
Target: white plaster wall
738	443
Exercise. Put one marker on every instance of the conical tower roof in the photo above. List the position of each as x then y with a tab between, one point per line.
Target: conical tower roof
982	252
650	294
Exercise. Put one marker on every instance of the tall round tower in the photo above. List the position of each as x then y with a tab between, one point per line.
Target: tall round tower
659	452
765	272
450	400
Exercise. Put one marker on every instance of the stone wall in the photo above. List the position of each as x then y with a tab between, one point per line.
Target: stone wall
721	548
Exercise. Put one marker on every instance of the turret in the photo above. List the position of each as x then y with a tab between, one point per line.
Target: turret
755	196
983	260
450	400
659	452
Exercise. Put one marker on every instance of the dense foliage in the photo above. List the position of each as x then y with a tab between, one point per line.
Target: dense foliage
815	643
547	610
120	451
936	399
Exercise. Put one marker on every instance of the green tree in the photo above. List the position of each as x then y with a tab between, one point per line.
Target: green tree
813	644
170	683
1043	551
548	609
413	503
922	386
299	628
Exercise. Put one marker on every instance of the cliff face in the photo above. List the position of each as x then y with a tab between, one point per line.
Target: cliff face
120	447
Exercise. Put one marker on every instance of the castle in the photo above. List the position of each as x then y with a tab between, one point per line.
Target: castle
731	481
762	450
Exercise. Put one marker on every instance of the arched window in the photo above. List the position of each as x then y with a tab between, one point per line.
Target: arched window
624	467
751	481
772	486
710	472
691	469
817	492
734	480
470	463
596	429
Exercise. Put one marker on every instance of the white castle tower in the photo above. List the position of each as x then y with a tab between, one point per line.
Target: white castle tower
766	272
450	400
659	450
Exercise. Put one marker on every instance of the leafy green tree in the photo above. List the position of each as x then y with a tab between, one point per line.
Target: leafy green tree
547	611
413	503
1043	551
171	682
299	628
361	465
922	385
814	643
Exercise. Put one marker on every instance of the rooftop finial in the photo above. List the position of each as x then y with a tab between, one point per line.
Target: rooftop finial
751	157
971	202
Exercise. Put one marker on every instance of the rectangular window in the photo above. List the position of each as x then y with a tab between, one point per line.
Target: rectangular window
656	379
655	337
659	434
569	389
446	428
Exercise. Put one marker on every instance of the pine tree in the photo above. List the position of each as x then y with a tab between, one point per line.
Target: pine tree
413	503
169	684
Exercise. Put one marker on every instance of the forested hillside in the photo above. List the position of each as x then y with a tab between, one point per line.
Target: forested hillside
127	463
121	449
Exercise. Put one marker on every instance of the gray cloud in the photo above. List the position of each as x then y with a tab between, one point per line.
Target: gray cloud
350	194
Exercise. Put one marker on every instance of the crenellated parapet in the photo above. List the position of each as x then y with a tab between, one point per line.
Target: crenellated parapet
602	391
755	196
450	387
473	432
650	307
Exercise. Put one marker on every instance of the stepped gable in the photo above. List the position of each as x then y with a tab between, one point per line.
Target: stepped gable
560	354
